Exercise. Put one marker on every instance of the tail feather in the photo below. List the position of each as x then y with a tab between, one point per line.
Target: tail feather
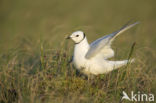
118	64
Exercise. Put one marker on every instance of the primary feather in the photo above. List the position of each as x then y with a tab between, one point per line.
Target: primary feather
102	45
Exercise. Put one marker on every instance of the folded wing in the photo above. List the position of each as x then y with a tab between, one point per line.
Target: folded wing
102	45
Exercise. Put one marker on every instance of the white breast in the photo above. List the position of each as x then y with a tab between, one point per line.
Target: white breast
80	51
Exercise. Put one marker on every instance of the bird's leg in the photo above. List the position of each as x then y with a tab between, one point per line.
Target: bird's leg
88	78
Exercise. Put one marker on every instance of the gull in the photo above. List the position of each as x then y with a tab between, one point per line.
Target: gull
93	58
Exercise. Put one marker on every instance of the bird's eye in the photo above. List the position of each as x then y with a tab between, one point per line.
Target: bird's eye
77	35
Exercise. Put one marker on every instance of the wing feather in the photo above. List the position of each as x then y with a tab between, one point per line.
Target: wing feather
105	42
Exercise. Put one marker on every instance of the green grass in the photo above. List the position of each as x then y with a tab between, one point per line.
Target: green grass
34	54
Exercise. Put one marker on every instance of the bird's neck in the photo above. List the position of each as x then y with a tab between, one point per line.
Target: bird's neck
83	44
82	47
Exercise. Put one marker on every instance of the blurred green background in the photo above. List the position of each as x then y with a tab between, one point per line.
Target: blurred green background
52	20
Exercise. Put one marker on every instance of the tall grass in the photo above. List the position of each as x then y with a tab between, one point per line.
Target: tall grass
46	77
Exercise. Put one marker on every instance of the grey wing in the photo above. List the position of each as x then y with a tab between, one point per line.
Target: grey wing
103	43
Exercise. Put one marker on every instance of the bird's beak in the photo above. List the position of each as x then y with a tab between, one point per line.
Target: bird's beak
68	37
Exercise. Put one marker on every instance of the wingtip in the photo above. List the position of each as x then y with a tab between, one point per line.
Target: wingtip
134	24
138	22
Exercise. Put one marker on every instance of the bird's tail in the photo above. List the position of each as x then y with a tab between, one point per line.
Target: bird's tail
118	64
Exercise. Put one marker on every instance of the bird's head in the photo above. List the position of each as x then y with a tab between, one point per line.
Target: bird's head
77	36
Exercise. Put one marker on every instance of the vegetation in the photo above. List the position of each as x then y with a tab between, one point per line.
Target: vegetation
34	55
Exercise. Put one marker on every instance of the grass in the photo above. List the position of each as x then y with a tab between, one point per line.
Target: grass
47	77
34	64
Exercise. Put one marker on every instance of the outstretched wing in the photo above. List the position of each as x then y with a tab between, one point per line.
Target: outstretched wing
103	43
